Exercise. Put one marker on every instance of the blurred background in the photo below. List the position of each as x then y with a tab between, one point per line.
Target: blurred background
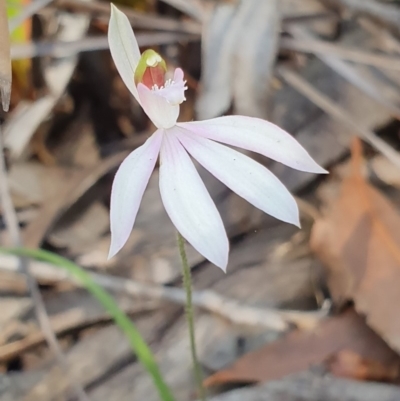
310	314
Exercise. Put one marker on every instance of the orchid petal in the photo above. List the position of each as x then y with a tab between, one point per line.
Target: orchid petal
124	48
162	113
243	175
256	135
128	188
189	204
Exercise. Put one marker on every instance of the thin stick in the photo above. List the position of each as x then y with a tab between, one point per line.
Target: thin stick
138	19
187	283
229	309
320	47
11	220
60	49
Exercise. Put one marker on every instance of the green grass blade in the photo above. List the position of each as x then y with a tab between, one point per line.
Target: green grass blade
137	343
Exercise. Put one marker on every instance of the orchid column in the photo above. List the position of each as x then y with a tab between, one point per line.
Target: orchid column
183	193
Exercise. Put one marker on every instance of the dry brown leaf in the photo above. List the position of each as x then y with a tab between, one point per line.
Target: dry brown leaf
358	241
351	365
299	350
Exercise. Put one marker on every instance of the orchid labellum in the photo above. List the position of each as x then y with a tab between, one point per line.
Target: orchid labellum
183	193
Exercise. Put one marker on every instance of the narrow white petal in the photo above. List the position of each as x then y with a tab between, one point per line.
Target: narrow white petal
124	48
159	110
128	188
189	204
243	175
259	136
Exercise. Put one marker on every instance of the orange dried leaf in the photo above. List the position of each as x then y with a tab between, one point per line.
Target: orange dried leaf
359	243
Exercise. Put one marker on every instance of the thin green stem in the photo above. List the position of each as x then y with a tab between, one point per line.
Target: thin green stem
187	283
137	343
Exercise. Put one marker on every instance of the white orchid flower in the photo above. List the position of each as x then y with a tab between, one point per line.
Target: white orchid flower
183	193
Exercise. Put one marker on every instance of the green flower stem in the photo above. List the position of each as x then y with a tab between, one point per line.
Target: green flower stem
187	283
137	343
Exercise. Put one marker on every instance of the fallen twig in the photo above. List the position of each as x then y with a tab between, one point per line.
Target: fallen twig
59	49
229	309
321	47
138	19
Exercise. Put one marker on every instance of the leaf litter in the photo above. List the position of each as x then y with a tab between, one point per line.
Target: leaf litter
356	239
